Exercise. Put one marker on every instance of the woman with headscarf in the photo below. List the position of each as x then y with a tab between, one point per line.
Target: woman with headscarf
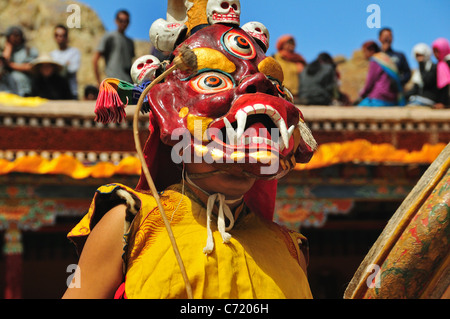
291	62
441	49
425	91
383	86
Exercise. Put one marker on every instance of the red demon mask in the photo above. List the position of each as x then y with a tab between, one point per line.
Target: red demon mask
232	112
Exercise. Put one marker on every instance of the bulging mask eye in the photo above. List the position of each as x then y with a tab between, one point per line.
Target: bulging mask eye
238	45
211	82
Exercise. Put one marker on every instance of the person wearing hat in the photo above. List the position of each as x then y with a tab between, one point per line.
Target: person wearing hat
47	80
18	57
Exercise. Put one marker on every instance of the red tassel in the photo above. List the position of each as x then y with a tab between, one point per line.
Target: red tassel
120	293
109	107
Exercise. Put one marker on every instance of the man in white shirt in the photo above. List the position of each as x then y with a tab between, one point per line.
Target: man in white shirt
67	56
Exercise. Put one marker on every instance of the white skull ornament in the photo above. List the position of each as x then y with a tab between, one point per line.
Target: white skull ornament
166	35
223	11
144	69
258	31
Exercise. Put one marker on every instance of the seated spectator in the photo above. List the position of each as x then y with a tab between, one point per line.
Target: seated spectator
68	57
7	83
18	57
425	91
291	62
339	97
47	82
318	82
383	86
441	50
90	93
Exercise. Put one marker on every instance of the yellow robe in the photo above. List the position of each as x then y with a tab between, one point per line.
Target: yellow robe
262	259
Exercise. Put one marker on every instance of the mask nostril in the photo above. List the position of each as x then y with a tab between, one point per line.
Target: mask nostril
251	89
270	91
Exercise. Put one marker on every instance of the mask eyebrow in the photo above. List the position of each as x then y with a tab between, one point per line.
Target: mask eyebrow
208	58
271	68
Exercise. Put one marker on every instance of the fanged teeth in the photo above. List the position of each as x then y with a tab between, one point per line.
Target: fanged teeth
217	155
290	132
231	133
264	157
284	133
257	140
241	118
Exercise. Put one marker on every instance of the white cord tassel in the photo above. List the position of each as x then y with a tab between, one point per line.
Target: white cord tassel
224	210
210	240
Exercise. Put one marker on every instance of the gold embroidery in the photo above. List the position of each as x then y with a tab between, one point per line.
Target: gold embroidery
149	223
294	241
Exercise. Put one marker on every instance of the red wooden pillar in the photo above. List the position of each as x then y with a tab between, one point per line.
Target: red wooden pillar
17	214
14	263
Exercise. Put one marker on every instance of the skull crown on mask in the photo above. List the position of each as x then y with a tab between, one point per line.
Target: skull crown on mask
259	32
165	35
144	69
223	11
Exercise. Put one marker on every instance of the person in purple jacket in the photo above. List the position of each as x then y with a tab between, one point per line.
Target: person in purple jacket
383	86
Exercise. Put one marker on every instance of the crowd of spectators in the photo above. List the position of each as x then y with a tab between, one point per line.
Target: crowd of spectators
54	75
388	76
